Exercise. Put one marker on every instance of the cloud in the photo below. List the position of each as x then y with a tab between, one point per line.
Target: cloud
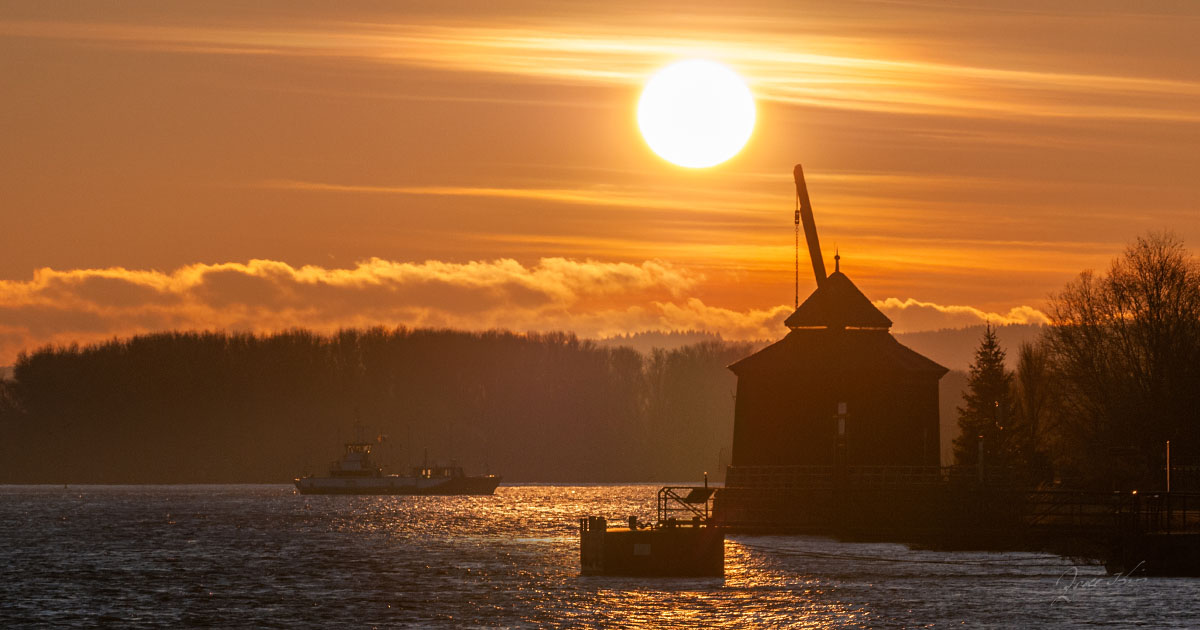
913	315
591	298
752	324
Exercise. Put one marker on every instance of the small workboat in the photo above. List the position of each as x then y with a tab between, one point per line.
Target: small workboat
356	473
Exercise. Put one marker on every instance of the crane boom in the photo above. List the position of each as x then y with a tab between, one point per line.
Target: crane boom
805	215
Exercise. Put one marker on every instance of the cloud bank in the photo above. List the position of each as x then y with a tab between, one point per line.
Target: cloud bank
590	298
913	315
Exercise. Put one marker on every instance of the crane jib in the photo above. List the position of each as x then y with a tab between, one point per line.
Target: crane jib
805	215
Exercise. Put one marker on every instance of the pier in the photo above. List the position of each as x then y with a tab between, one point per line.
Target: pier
1156	533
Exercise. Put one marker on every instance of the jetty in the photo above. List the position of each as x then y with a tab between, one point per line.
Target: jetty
1150	533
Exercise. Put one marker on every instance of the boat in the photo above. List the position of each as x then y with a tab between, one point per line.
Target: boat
356	473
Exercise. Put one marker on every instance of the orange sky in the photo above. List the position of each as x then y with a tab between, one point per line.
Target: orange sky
218	165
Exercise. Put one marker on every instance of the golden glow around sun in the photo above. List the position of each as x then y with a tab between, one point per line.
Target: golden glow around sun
696	113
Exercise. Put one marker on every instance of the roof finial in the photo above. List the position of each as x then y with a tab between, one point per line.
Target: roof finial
837	260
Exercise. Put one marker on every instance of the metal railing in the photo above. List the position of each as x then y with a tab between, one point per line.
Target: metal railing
1161	512
692	503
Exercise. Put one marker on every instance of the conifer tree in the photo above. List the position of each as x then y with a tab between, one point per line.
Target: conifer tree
988	407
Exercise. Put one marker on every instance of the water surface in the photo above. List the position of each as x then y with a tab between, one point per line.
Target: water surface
262	556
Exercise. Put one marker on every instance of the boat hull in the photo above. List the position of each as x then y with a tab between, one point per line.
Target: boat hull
398	485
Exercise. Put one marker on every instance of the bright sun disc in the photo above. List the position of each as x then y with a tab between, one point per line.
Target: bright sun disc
696	113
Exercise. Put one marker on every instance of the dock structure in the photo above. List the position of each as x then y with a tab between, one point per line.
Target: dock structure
683	542
907	503
961	507
836	432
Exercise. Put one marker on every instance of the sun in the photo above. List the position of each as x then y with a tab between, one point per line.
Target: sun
696	113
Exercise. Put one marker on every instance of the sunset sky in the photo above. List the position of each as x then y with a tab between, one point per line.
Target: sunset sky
264	165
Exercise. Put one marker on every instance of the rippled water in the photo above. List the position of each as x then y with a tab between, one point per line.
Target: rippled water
261	556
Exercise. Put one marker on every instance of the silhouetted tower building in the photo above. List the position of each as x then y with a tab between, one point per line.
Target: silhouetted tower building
839	353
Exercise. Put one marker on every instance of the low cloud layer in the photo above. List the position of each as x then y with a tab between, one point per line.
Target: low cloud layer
590	298
913	315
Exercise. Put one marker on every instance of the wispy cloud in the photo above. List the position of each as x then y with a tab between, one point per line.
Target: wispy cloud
812	67
691	225
593	196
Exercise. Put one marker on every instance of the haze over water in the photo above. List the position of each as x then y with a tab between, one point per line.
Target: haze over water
261	556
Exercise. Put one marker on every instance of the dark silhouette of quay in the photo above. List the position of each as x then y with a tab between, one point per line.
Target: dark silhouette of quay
836	432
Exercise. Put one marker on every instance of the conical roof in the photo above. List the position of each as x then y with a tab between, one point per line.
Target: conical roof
837	303
837	352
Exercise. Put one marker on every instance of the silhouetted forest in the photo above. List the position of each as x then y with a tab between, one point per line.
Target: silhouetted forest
218	407
647	342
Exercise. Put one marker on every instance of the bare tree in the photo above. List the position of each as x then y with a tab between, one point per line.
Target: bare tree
1127	346
1033	399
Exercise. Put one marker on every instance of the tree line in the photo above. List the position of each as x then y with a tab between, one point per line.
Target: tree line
230	407
1114	378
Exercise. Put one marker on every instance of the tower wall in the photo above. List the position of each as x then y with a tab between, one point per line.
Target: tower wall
788	395
891	420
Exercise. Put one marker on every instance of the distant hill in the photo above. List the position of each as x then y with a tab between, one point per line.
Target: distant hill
645	342
955	347
951	347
